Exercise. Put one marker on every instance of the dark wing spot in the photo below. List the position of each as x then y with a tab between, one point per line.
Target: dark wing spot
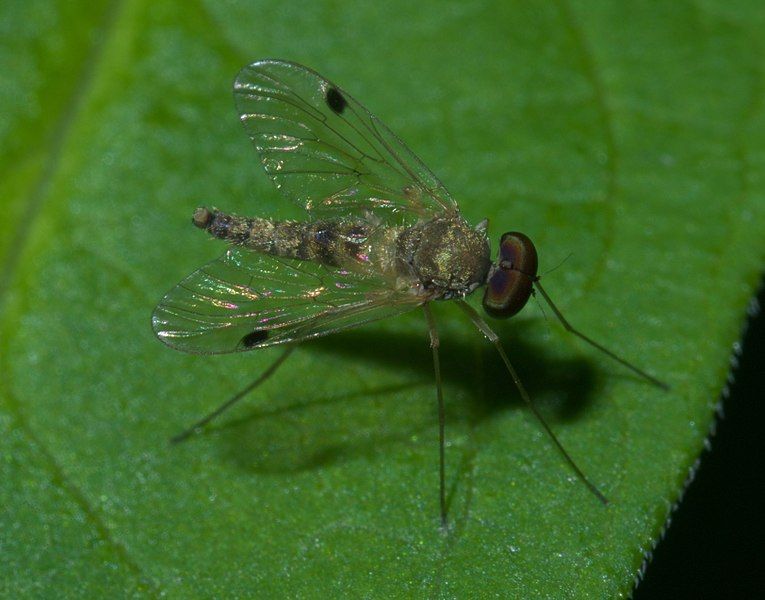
254	337
336	101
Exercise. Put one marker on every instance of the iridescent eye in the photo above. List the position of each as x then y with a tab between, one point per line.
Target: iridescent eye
512	277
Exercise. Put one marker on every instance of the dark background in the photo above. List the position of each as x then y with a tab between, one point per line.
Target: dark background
715	547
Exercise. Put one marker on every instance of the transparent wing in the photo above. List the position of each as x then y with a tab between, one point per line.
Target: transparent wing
246	300
328	153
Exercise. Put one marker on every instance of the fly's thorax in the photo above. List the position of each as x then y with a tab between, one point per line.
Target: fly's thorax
449	257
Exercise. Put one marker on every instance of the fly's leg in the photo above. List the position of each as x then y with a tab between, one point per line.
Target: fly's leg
234	399
595	344
484	328
434	344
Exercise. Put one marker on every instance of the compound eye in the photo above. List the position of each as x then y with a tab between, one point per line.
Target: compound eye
512	280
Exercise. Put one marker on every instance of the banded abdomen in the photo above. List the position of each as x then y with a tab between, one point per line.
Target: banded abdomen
330	242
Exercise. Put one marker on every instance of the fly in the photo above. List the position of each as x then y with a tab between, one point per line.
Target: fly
383	237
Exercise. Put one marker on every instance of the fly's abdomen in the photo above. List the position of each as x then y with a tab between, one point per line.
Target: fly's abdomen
328	242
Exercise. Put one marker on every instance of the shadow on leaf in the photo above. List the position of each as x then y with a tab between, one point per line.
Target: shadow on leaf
315	431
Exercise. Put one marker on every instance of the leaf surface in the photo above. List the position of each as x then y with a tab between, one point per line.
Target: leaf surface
626	138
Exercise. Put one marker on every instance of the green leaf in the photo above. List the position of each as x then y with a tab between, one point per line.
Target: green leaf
626	138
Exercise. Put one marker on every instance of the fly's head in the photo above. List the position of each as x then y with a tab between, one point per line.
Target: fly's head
510	281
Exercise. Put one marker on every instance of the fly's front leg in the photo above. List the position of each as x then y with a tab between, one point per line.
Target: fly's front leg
487	331
568	327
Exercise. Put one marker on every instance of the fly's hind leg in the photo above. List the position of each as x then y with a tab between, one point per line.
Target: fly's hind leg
434	344
234	399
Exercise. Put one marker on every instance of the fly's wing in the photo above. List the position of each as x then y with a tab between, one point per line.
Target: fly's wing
328	153
246	300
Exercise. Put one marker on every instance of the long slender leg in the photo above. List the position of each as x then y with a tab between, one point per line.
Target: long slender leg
434	344
484	328
235	398
595	344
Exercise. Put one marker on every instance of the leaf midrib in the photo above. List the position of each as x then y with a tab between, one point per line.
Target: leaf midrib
37	200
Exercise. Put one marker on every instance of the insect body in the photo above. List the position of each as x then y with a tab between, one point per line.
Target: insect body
383	236
434	260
